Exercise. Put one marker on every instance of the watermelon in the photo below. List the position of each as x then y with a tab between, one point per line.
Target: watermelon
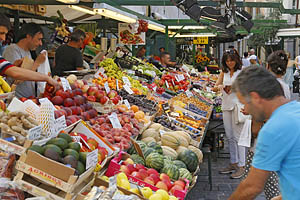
190	159
171	170
184	173
137	159
155	160
148	151
152	144
167	161
155	146
132	150
179	164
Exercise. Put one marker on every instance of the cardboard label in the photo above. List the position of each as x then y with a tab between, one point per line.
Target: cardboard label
137	148
117	84
106	87
126	81
65	84
35	133
128	90
60	124
91	159
127	103
114	120
167	84
189	94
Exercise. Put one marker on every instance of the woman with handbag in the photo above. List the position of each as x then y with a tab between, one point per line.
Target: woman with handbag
231	67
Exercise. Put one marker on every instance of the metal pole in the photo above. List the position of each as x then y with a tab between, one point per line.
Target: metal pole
194	55
16	24
167	38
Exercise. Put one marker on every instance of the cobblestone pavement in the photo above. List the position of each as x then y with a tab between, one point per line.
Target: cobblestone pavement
222	188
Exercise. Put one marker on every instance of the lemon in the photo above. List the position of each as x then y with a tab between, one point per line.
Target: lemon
163	193
156	197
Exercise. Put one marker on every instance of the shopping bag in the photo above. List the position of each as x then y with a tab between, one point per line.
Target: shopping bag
239	117
245	137
43	69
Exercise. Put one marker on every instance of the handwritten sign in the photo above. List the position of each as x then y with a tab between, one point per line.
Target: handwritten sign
189	94
34	133
128	89
100	71
60	124
126	81
106	87
114	120
127	103
91	159
117	84
65	84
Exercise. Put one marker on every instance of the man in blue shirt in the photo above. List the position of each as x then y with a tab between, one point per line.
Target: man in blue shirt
278	146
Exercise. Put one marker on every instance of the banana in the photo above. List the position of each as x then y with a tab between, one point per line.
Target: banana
1	91
5	87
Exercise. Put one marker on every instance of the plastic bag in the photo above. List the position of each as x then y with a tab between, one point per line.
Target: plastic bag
245	137
43	69
9	190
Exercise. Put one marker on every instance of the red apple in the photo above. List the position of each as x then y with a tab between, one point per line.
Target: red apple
174	188
125	169
115	100
68	102
92	90
155	178
143	173
152	171
91	98
103	100
85	88
149	180
57	100
112	94
101	120
181	183
86	116
168	184
137	175
68	110
99	94
131	168
161	185
140	166
164	176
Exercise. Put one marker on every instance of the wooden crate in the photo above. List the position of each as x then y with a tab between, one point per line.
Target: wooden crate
14	148
37	188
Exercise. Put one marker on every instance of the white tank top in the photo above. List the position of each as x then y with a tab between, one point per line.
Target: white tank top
229	101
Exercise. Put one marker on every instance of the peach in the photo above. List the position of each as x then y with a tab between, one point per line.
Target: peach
152	171
168	184
180	183
174	188
92	90
155	178
68	110
125	169
85	88
143	173
57	100
164	176
140	166
161	185
137	175
99	94
68	102
149	180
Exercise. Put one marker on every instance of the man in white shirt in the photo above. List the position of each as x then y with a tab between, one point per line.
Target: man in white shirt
297	62
245	60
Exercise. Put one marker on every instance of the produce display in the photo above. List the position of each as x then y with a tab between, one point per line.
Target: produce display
4	86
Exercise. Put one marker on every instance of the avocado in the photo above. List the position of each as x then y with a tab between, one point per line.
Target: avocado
66	137
56	148
70	160
60	142
80	168
82	157
75	146
52	154
71	152
36	148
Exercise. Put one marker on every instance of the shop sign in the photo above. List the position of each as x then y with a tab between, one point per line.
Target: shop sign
200	40
128	34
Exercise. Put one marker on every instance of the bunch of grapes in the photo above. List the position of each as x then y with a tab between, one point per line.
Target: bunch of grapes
143	26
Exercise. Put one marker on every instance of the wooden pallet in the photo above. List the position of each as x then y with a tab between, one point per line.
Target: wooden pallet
37	188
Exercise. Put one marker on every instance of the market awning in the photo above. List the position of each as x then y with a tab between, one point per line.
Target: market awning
289	32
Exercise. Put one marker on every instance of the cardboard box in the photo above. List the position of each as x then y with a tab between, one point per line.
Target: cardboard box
14	148
51	172
114	168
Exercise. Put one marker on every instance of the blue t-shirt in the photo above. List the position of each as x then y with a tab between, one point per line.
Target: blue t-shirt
278	148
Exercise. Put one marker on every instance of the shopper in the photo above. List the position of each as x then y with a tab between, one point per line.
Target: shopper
277	65
289	77
14	71
245	60
253	61
162	49
278	142
232	66
141	53
165	59
29	39
68	56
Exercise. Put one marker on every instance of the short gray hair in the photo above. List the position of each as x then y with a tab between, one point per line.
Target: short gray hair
77	35
259	80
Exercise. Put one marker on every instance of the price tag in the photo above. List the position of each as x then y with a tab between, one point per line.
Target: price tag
208	89
189	94
131	72
154	89
106	87
128	90
91	159
65	84
100	71
114	120
173	82
193	71
126	81
177	79
60	124
35	133
162	132
166	107
117	84
137	148
167	84
181	77
175	114
127	103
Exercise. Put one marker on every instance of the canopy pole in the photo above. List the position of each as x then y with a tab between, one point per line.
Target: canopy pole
167	38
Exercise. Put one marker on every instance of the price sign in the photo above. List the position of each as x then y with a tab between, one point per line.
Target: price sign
34	133
60	124
114	120
167	84
200	40
91	159
117	84
131	72
126	81
189	94
137	148
106	87
127	103
166	107
65	84
128	90
100	71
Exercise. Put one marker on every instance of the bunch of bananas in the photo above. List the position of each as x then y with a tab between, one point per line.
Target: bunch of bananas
4	87
62	30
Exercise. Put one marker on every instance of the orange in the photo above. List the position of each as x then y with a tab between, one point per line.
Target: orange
139	115
134	108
